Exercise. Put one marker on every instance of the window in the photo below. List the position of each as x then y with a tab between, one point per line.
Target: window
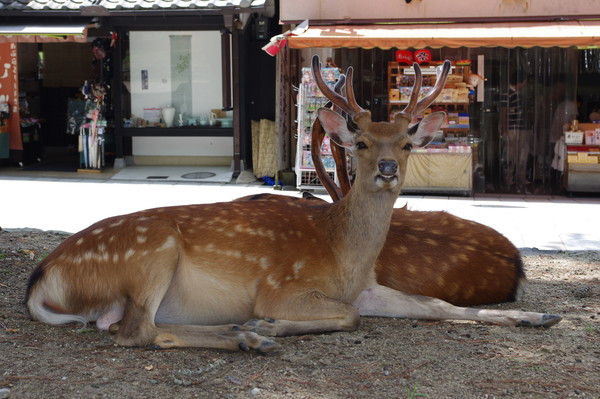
180	69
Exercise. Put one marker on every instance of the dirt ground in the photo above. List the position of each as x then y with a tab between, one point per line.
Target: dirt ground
385	358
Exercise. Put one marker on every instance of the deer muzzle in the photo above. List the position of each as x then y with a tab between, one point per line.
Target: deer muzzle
388	170
388	167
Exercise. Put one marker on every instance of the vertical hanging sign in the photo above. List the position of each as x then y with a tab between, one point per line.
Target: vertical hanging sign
9	91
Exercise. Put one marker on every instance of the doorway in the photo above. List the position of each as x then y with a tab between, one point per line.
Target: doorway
50	79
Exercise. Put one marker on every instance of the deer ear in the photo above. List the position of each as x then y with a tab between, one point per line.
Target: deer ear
336	127
423	133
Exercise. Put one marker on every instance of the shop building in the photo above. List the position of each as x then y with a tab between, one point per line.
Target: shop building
542	54
150	82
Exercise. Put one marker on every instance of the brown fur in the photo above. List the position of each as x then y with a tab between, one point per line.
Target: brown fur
443	256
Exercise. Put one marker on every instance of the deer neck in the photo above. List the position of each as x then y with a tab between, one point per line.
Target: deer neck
359	224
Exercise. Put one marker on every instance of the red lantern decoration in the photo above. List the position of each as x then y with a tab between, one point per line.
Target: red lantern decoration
422	57
404	57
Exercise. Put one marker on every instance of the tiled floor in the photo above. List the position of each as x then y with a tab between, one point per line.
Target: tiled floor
54	202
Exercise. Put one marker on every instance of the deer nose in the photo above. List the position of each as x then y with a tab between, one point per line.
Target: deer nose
388	167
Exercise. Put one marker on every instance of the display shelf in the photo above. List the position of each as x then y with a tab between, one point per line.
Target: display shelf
310	99
447	165
583	165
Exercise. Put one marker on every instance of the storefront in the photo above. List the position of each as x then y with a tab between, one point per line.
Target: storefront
556	64
147	83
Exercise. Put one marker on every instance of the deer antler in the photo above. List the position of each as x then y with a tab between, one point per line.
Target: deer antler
415	107
339	154
347	104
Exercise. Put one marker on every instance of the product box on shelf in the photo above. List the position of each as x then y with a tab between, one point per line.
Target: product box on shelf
573	137
592	137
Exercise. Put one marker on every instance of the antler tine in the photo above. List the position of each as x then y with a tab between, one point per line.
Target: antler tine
340	84
350	93
351	107
338	88
409	110
442	72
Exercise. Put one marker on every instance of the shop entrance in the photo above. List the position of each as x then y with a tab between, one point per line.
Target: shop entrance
50	79
513	150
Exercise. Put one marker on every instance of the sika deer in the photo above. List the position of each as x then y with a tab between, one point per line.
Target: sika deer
190	275
434	254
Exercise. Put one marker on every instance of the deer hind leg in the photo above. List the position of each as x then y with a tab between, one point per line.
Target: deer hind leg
303	313
138	328
383	301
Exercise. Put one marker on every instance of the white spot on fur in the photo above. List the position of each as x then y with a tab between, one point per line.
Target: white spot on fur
264	263
118	223
79	241
97	231
129	253
297	267
141	239
141	229
169	243
272	282
210	247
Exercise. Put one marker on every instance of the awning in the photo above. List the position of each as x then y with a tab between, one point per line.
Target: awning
503	34
43	33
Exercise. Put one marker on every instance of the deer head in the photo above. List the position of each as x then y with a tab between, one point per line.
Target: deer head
332	121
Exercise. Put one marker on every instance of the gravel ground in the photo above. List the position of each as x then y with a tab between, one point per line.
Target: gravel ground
385	358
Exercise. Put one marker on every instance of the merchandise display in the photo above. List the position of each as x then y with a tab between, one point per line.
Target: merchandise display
310	99
446	164
582	146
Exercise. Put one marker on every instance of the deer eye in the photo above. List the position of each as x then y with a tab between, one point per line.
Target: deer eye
361	145
408	147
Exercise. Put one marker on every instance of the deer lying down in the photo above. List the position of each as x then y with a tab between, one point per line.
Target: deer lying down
433	253
417	257
206	275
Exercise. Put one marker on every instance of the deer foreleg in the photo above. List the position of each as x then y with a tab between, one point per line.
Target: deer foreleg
228	337
386	302
308	313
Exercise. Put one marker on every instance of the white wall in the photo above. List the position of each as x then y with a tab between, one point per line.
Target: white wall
183	146
150	51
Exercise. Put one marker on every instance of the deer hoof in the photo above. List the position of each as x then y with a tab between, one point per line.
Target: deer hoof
548	320
251	340
244	346
262	326
268	346
114	328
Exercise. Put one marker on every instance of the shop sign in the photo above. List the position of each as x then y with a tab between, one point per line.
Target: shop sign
404	57
422	57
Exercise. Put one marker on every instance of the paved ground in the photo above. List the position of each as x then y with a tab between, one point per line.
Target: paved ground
71	204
